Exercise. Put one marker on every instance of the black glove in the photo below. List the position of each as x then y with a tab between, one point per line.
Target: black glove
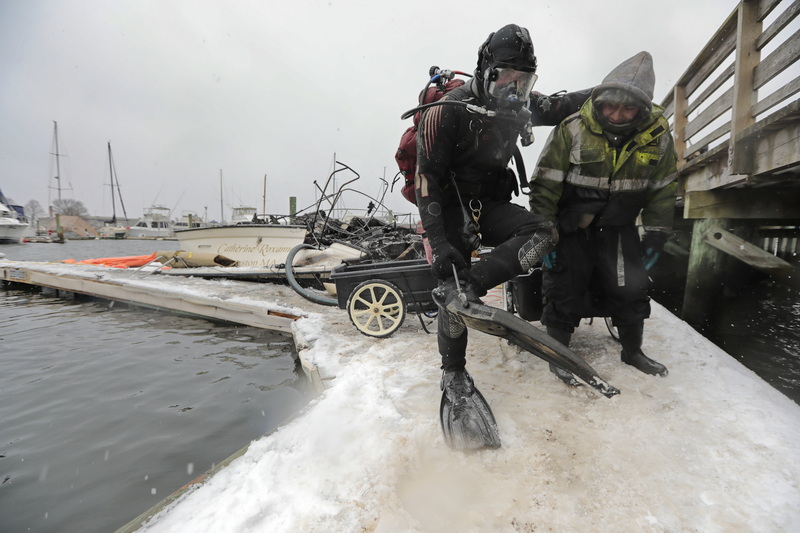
653	243
654	240
445	255
549	110
549	260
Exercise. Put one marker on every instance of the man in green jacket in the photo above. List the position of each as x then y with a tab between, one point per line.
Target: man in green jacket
601	168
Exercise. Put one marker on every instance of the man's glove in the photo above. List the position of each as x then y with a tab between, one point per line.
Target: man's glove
549	110
445	255
549	260
546	105
653	244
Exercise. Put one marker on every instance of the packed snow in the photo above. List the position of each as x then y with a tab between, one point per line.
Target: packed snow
711	447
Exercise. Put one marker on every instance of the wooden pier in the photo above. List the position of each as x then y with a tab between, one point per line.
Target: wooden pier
735	118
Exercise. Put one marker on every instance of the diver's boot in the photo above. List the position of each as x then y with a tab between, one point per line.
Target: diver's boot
631	339
563	336
467	421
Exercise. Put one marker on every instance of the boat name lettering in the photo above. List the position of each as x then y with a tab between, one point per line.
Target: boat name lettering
262	263
262	249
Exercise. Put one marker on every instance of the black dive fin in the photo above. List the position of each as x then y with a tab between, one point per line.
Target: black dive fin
501	323
468	423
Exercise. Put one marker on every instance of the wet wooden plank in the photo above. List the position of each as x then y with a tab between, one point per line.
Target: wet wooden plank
743	204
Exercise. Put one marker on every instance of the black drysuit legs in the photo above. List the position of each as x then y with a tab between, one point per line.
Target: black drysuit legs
520	240
598	271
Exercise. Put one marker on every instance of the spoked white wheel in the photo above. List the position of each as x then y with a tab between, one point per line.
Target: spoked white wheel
376	308
612	329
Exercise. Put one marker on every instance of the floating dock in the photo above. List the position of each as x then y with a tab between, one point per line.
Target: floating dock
250	304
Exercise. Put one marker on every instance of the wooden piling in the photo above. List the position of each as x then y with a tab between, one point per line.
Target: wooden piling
703	278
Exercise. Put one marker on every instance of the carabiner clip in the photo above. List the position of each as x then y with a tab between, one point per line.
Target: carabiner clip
475	207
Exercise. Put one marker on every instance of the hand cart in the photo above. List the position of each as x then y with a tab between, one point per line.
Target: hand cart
377	296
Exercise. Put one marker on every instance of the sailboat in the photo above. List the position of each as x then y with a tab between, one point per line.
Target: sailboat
58	163
111	229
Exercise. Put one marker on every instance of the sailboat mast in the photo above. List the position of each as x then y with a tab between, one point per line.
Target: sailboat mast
221	210
58	164
119	191
264	201
111	177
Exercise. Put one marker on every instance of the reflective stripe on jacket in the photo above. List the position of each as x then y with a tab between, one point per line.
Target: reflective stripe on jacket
581	176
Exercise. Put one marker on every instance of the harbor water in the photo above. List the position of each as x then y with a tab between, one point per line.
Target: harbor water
108	409
754	319
760	326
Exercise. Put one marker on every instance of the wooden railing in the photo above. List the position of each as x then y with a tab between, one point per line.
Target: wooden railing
716	109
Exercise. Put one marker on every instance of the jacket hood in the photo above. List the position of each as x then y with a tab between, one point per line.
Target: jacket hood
634	76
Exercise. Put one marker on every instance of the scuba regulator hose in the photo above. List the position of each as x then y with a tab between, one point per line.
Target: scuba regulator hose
411	112
521	117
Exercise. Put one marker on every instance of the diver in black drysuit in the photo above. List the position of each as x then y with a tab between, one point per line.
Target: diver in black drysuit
463	176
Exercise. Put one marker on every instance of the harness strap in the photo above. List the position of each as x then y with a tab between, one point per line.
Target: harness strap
521	174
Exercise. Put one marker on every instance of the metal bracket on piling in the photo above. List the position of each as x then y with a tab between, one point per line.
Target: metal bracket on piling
783	272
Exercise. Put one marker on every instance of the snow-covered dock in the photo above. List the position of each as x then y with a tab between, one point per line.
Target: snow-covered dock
711	447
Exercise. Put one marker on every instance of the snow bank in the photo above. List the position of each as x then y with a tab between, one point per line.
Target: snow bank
712	447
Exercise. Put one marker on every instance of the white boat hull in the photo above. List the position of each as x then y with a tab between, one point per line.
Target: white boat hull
154	224
14	232
113	232
148	233
257	245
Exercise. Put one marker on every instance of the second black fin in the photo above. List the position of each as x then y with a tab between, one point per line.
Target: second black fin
467	420
501	323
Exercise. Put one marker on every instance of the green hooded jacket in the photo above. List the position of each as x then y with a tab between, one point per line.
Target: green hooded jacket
582	178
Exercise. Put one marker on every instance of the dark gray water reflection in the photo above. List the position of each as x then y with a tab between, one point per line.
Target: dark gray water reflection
760	326
107	411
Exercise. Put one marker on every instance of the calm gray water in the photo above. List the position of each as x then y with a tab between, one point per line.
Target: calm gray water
106	411
760	327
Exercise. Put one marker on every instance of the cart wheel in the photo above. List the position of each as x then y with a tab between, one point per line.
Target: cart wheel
612	329
376	308
508	298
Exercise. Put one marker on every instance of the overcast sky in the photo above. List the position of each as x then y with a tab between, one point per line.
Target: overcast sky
186	89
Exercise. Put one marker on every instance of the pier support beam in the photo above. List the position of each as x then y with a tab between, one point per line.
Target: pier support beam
703	278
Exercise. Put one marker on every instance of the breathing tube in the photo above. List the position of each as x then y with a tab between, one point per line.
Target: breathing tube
441	77
521	117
